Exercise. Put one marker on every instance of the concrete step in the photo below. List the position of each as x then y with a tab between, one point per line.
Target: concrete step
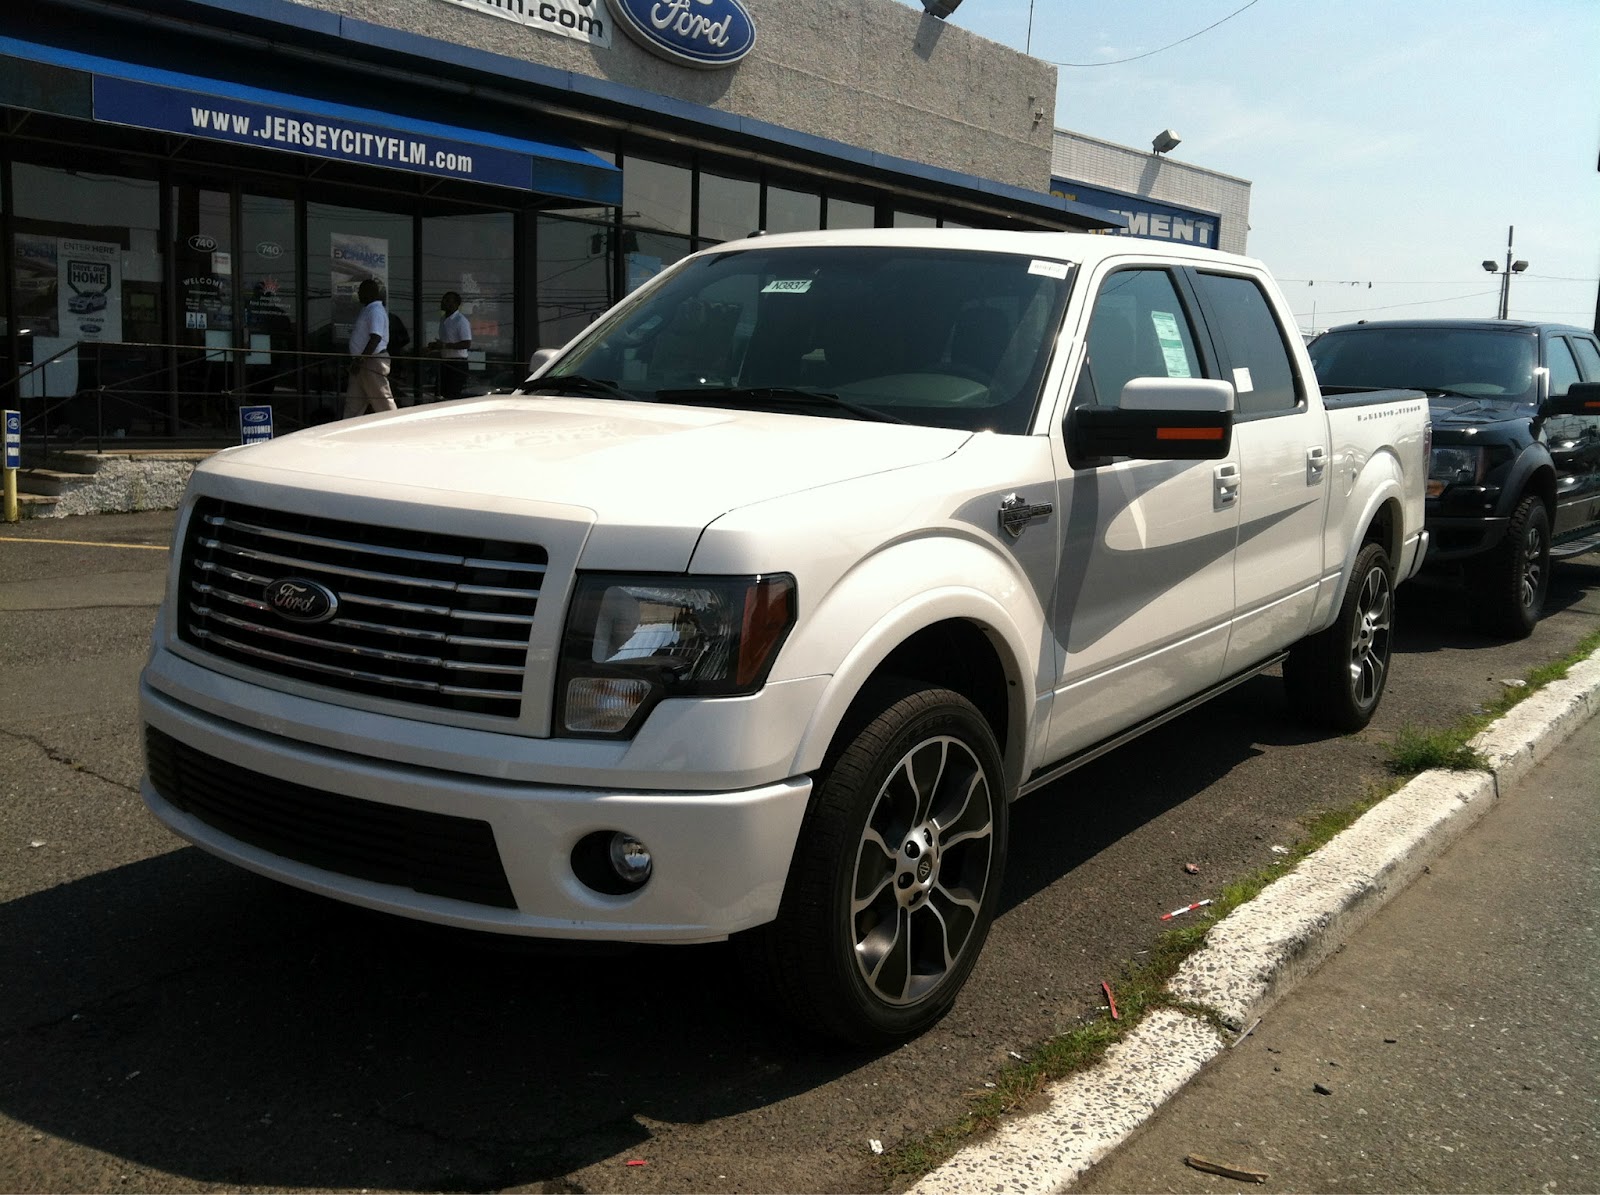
49	482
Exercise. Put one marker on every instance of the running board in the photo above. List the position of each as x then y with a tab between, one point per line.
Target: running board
1054	772
1575	547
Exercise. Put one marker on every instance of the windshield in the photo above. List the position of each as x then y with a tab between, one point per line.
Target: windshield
937	337
1474	362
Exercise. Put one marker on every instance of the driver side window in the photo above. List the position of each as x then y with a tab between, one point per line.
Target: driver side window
1138	328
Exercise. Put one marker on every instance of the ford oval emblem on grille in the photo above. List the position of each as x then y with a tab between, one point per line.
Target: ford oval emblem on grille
300	600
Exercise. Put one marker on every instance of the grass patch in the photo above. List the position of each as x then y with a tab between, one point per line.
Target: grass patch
1416	751
1142	985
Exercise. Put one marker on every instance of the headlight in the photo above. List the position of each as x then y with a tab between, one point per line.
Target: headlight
630	641
1454	466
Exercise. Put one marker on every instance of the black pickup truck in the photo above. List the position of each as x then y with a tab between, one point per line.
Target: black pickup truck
1514	477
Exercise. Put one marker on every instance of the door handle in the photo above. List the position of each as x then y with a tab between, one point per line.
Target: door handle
1316	464
1226	479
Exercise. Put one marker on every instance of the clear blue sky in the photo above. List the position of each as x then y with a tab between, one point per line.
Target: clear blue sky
1390	142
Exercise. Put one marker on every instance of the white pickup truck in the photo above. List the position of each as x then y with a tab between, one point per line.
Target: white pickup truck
754	610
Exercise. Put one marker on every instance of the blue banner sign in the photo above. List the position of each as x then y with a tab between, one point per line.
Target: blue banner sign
1146	218
245	122
13	439
255	424
705	33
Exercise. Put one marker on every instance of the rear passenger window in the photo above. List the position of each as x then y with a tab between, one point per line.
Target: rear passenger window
1255	357
1588	358
1563	369
1138	329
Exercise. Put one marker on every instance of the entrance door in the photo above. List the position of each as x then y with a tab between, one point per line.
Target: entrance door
208	361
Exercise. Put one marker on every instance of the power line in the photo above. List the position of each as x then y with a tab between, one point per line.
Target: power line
1149	53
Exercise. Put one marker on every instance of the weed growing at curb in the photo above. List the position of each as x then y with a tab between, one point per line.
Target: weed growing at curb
1142	987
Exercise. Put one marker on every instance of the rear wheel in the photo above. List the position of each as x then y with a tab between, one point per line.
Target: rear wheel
1510	583
1336	677
895	878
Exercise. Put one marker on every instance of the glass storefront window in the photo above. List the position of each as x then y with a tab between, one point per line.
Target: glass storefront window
730	208
202	256
656	195
86	276
648	253
915	220
473	255
573	278
842	213
266	263
793	211
344	246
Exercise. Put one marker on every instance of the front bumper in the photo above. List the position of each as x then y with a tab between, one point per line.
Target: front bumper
720	858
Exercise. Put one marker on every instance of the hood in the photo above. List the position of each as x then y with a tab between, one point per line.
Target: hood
630	463
1454	410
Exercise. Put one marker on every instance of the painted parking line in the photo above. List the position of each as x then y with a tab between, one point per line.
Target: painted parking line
82	543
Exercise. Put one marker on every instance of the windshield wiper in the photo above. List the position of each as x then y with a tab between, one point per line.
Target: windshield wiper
1445	390
576	383
777	397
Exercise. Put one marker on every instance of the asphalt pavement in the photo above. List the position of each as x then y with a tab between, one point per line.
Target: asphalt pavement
171	1023
1450	1045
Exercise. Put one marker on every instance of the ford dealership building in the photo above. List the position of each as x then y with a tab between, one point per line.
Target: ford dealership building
192	190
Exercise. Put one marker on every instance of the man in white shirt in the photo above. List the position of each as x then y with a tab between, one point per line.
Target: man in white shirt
455	338
369	355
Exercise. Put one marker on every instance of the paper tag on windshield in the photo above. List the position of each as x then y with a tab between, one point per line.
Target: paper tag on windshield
789	286
1050	269
1241	380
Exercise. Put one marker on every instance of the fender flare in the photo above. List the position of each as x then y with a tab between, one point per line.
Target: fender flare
1015	628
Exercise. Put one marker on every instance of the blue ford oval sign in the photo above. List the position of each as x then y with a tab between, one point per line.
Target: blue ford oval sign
302	600
703	33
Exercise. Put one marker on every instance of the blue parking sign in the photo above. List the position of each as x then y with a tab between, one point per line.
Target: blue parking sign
255	424
13	439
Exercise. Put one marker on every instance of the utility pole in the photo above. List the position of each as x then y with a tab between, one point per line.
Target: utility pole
1512	267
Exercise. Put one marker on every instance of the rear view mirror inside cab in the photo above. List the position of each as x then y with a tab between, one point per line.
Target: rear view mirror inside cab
1161	419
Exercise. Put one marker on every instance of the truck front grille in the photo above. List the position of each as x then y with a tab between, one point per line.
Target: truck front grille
418	616
431	853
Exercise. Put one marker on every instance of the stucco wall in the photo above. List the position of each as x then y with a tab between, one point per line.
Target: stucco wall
1157	176
869	73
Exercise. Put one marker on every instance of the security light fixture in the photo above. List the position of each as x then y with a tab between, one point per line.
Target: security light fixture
941	8
1166	140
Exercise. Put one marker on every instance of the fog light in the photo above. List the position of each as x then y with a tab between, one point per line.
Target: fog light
630	859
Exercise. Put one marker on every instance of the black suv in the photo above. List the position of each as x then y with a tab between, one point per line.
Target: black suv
1515	472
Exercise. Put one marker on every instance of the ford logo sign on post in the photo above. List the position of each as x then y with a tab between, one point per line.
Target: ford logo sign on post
255	424
705	33
301	600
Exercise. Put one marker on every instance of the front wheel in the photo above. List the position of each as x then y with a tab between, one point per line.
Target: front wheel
1335	678
897	871
1511	582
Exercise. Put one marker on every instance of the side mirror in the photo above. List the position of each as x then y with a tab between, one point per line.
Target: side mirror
540	358
1583	398
1160	419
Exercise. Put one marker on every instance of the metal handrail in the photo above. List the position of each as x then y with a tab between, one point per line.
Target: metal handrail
312	380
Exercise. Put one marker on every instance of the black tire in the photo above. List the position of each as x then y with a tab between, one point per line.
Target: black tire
1509	585
896	874
1336	677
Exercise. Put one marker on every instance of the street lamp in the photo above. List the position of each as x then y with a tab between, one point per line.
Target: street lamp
1512	267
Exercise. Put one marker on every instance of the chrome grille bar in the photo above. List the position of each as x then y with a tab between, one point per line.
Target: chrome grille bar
426	617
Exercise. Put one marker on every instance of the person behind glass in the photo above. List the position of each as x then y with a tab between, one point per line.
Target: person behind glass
369	355
455	338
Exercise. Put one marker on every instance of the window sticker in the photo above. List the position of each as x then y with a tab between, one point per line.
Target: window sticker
1171	341
1241	380
1050	269
787	286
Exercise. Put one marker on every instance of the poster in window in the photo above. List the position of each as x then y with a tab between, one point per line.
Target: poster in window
89	289
354	259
